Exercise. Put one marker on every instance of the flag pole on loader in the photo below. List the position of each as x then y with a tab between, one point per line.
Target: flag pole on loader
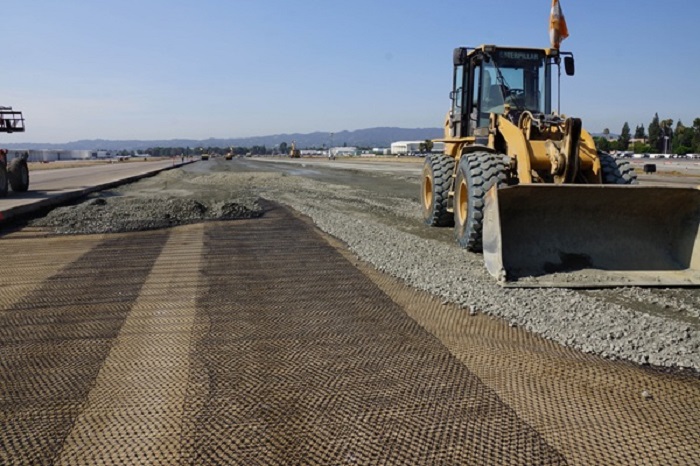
557	25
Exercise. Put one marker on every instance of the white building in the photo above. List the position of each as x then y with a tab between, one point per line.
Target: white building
49	155
339	151
309	152
413	147
381	151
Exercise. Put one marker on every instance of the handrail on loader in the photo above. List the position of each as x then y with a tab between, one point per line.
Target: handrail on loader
11	121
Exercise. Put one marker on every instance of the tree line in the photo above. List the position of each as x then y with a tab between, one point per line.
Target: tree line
281	149
660	138
178	151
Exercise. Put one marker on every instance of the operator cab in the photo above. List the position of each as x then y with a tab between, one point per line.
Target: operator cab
504	81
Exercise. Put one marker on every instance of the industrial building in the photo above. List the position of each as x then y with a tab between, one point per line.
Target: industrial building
413	147
343	151
49	155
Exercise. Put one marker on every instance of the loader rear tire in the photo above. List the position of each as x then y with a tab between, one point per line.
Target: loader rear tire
476	174
435	188
18	175
3	180
616	171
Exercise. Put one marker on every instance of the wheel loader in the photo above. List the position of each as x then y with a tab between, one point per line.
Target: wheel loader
526	185
15	172
294	152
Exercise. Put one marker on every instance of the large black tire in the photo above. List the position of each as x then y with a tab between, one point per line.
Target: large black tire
3	180
435	188
18	175
616	171
476	174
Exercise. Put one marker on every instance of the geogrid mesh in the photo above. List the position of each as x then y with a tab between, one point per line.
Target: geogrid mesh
258	342
54	340
306	361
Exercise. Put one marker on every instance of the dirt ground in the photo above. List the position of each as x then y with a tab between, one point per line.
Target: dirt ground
205	321
263	341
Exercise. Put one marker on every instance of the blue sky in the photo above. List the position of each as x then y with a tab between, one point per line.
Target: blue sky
164	69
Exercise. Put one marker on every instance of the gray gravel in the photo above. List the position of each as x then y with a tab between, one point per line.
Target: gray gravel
124	214
588	321
658	327
141	207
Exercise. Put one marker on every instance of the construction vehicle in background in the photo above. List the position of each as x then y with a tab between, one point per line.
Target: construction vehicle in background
229	154
15	172
294	152
526	185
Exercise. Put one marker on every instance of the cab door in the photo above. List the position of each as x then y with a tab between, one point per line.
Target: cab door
473	110
457	96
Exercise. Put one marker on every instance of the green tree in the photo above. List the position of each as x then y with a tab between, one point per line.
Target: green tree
696	136
655	133
602	144
428	145
639	132
258	150
666	135
623	141
283	148
682	139
641	148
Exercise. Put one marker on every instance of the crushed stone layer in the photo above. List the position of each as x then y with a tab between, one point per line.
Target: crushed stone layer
378	217
105	213
263	342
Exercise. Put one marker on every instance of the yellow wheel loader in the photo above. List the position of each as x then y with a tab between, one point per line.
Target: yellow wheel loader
294	152
526	185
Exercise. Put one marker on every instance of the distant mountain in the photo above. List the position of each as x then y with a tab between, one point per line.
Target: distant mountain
370	137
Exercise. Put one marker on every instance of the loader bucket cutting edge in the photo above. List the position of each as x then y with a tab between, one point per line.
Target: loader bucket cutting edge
583	236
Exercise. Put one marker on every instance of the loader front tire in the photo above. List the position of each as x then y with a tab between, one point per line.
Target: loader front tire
435	188
18	175
616	171
476	174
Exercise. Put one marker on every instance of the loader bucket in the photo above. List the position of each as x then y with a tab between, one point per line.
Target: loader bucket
575	236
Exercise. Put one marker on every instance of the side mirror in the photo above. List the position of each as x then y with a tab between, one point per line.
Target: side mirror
569	65
458	56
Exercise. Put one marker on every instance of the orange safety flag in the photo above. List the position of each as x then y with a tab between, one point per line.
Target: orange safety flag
557	25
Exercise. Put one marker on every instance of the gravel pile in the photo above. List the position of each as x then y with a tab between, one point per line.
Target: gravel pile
659	327
124	214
